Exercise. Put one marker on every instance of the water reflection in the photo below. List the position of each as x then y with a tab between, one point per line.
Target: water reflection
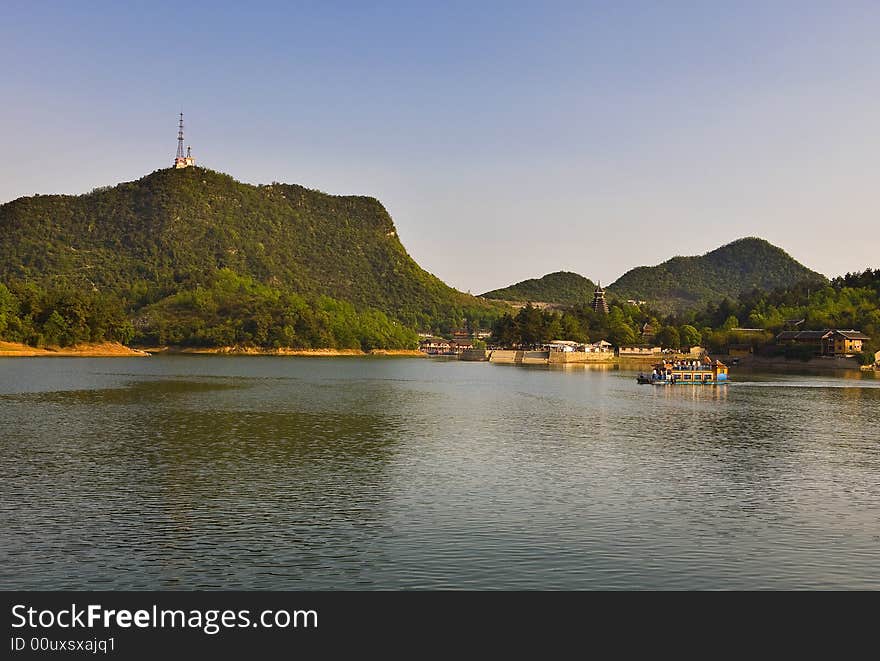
294	474
160	476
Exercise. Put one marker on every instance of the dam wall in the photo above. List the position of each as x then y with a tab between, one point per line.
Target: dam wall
474	355
511	356
574	357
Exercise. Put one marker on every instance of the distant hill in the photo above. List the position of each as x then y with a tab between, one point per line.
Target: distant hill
562	287
685	282
186	230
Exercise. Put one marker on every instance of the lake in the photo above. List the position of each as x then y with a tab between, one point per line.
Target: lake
208	472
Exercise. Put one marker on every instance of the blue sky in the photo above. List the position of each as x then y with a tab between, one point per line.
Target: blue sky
507	140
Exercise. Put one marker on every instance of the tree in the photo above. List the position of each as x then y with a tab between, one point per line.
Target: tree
572	329
620	334
56	330
530	325
8	308
690	336
668	337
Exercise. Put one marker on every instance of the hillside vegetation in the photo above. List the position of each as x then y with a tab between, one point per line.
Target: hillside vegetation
562	287
193	256
848	302
687	282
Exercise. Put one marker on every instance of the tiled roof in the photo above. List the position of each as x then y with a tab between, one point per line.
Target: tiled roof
853	335
820	335
802	335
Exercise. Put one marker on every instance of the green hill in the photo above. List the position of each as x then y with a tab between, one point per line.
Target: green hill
562	287
196	244
685	282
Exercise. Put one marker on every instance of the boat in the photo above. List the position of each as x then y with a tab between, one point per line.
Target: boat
686	372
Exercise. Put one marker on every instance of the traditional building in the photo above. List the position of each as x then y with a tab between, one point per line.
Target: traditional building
740	350
599	303
183	160
826	342
639	350
845	342
570	346
436	346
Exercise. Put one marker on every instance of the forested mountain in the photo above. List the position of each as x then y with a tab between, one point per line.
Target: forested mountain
562	287
686	282
197	245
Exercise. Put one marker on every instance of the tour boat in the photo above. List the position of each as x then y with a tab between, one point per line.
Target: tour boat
686	372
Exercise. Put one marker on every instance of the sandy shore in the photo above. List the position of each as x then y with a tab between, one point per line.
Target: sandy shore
283	351
100	350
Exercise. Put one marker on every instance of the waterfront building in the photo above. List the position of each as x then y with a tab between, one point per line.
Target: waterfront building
570	346
829	342
435	346
562	345
845	342
639	351
457	346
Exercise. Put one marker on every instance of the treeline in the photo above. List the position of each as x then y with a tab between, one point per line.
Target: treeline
847	302
754	317
61	316
236	310
229	310
532	326
867	279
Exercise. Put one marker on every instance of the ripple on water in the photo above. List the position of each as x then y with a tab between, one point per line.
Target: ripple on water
221	473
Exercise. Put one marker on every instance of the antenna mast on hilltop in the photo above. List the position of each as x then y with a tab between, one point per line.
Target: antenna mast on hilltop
183	159
180	154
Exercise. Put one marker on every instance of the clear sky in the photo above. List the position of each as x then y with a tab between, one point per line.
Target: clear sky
507	140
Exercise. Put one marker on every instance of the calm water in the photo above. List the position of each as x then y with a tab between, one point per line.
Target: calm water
292	473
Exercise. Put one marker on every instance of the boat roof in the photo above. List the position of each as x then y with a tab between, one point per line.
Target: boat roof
703	365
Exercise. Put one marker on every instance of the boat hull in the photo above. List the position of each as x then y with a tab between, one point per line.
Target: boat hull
666	382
